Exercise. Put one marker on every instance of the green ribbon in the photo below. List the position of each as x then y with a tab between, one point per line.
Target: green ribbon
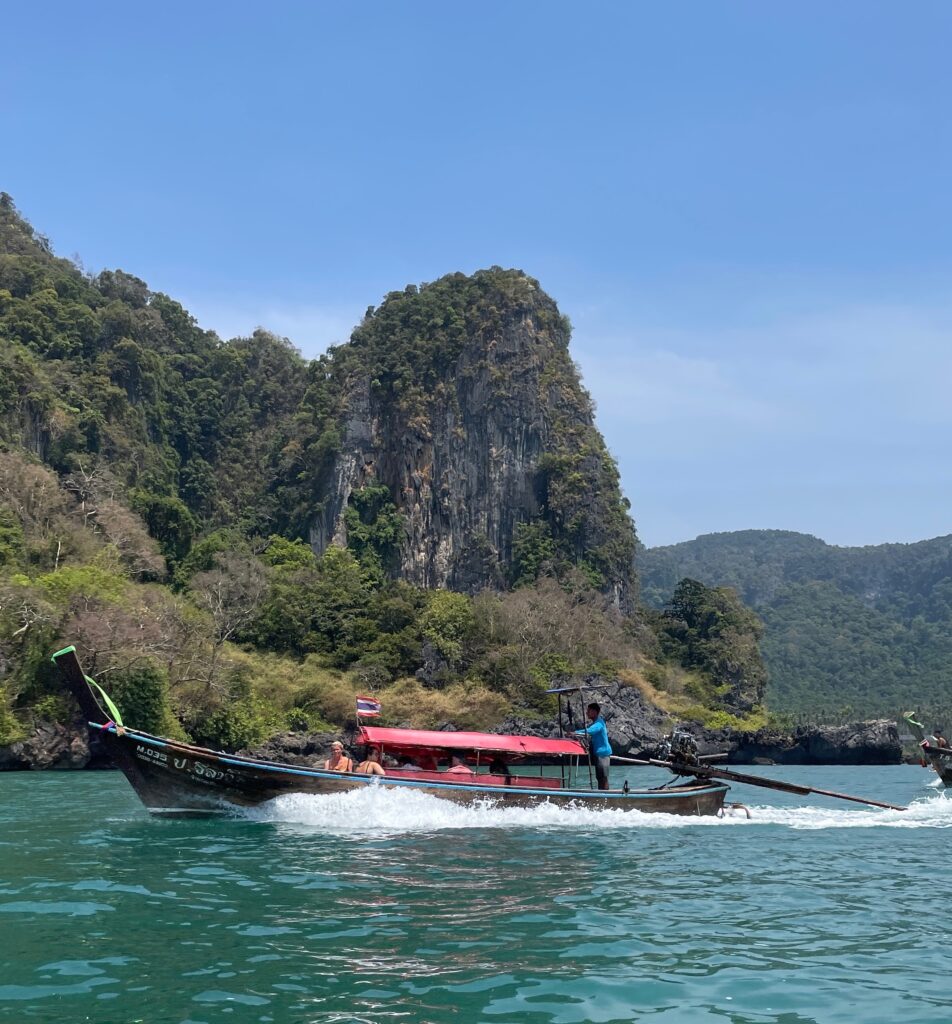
113	710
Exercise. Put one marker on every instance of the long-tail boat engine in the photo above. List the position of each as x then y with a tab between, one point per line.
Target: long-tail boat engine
681	747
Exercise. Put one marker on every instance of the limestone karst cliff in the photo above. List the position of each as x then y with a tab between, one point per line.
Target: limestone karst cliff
462	399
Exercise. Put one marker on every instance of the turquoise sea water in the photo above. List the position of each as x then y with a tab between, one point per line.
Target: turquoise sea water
379	907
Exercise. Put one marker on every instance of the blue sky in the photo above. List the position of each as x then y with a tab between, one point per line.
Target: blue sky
744	208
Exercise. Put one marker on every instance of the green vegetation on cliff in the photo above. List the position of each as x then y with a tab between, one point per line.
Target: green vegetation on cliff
864	630
101	372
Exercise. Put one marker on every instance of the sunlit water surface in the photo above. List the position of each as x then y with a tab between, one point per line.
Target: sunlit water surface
380	907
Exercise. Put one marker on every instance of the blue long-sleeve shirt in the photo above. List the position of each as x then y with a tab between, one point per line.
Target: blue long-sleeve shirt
599	734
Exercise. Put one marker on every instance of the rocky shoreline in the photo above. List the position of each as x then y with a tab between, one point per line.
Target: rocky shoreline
635	726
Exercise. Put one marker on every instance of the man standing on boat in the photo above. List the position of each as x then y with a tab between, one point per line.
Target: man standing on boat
599	749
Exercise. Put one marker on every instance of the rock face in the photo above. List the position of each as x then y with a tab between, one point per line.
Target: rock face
50	745
306	749
634	726
875	742
463	400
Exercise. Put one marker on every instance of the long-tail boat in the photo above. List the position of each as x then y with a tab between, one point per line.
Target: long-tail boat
175	778
939	757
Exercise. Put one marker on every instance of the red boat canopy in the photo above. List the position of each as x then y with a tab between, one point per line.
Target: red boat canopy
417	739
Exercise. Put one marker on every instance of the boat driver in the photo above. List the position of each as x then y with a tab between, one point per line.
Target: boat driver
938	738
599	749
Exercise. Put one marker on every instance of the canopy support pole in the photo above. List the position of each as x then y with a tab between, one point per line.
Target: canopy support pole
561	736
586	739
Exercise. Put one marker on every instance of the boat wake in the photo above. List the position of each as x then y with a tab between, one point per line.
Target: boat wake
378	811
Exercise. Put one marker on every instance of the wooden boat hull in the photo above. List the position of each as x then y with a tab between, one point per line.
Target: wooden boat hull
177	779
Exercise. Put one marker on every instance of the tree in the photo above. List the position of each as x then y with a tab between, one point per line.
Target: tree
711	630
447	625
288	555
374	527
142	696
232	593
11	538
533	553
126	532
169	521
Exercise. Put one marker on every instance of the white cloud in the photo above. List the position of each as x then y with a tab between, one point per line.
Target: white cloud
658	387
890	362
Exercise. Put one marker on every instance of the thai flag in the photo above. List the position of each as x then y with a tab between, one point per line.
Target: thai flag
367	707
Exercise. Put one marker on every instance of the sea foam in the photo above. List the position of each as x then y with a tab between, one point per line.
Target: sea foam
380	811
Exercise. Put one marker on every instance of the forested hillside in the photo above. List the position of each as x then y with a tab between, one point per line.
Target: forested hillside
239	539
868	628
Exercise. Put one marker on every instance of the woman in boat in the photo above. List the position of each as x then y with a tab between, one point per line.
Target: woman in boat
337	762
371	763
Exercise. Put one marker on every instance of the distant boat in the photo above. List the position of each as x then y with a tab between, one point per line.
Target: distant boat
174	778
939	757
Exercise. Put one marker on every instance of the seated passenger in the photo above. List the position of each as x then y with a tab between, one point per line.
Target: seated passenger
459	767
371	764
337	762
499	767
